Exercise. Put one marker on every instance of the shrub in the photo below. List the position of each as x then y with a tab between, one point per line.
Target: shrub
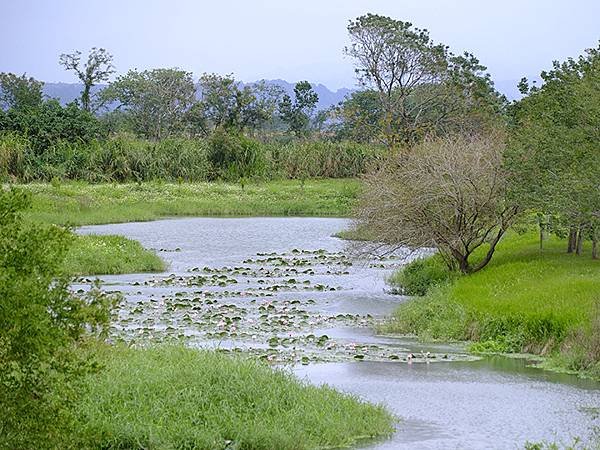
41	324
418	276
235	156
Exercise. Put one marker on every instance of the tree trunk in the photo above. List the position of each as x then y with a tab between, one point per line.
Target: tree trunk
490	253
594	245
579	248
572	239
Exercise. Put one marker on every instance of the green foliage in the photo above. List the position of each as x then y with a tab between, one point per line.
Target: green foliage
109	255
235	156
40	325
323	159
19	92
226	104
421	88
421	274
174	397
297	113
50	123
97	69
225	155
553	156
155	101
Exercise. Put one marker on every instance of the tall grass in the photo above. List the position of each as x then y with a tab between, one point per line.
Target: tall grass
171	397
224	156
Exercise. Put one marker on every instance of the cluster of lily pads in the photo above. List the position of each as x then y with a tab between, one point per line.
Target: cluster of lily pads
263	308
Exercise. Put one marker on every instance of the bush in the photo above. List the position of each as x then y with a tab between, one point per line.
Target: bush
235	156
418	276
51	122
41	325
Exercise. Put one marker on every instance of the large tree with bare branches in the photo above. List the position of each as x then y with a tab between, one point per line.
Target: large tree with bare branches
447	193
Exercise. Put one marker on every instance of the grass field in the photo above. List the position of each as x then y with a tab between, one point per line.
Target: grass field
171	397
85	204
110	255
523	301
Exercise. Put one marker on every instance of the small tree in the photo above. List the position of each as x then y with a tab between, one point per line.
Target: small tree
446	193
97	69
20	92
297	113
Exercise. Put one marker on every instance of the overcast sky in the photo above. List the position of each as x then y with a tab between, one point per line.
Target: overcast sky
285	39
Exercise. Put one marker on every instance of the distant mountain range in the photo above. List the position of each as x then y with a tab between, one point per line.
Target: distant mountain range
67	92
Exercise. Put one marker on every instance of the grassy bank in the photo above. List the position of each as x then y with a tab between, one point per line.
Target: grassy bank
110	255
77	204
172	397
84	204
523	301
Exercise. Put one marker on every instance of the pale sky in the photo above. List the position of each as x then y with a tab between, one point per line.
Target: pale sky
291	40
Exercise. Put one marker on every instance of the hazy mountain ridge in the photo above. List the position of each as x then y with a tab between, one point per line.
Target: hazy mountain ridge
67	92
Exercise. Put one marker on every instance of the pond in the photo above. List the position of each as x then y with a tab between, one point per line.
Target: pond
287	291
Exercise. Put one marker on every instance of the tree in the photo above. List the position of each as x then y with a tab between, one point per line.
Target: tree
447	193
297	113
156	101
420	84
225	103
19	92
554	157
51	122
42	325
97	69
357	118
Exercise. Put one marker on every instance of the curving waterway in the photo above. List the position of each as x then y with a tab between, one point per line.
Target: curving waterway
287	291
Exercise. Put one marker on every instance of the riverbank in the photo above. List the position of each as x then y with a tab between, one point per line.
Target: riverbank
78	204
215	401
523	301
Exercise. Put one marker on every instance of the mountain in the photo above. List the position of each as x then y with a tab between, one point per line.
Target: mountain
67	92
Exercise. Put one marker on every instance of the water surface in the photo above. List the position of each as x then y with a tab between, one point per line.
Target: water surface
285	290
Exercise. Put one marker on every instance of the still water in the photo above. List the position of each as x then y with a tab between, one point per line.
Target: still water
286	290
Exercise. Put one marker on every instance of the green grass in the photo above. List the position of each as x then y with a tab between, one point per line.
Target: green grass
79	203
171	397
523	301
110	255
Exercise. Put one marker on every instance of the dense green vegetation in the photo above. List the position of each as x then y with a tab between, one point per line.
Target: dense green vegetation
124	158
524	301
181	398
84	204
42	330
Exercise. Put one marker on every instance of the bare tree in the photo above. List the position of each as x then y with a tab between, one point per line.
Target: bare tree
446	193
97	69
